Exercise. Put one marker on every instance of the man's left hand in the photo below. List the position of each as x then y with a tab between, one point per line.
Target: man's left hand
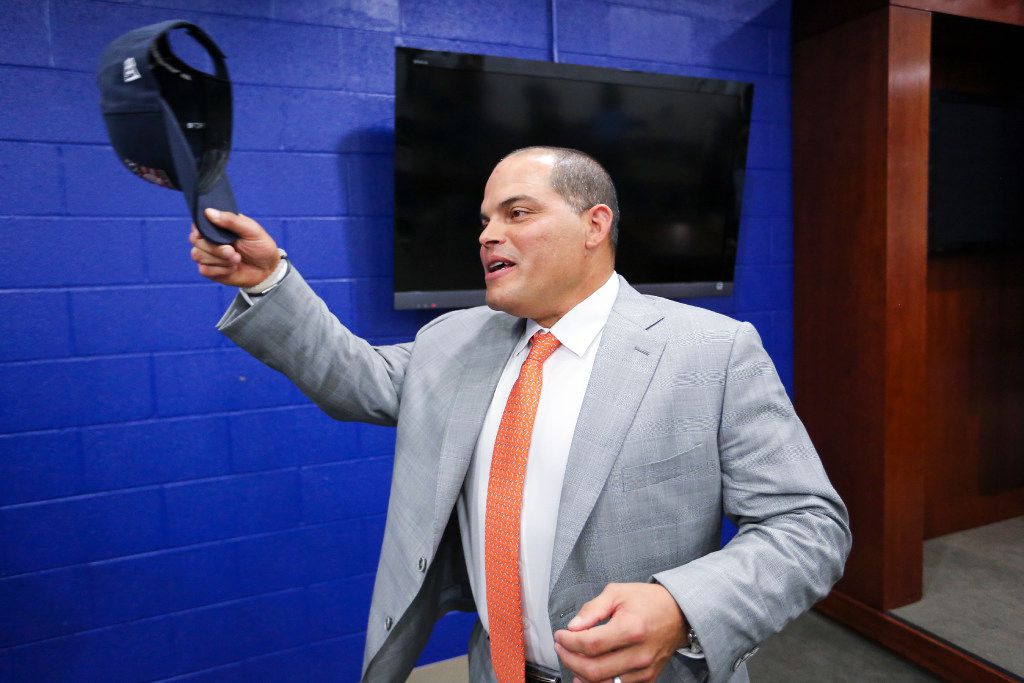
644	628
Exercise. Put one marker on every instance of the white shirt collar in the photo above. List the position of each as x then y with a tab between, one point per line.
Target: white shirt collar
578	328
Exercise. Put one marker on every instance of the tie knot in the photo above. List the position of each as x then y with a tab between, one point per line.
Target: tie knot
542	345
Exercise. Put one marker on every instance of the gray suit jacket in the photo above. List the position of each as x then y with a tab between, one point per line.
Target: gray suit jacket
684	417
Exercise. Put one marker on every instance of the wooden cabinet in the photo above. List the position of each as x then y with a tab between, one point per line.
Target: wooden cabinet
875	316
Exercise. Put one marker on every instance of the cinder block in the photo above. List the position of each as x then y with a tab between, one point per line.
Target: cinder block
70	251
168	251
31	175
299	119
194	383
593	27
376	441
781	60
759	148
341	247
771	100
45	105
338	659
760	288
297	55
781	146
782	240
522	23
272	562
44	605
337	295
98	184
375	315
23	26
341	549
49	394
153	452
371	184
228	632
380	15
345	490
760	12
39	466
340	607
159	583
290	183
140	650
475	47
286	438
782	335
766	193
449	637
81	529
228	507
251	8
34	325
754	241
164	318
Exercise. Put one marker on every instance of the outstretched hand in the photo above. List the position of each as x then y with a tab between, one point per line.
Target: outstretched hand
245	262
643	630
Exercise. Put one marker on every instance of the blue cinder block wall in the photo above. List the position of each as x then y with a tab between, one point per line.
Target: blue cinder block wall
168	506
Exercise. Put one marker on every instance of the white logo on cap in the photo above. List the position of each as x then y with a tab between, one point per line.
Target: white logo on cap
131	71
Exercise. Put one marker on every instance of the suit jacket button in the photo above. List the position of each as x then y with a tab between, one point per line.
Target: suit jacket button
388	623
422	564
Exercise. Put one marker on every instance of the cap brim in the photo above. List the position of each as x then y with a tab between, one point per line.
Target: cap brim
219	196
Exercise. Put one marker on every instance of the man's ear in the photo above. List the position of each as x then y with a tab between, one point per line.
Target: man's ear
599	225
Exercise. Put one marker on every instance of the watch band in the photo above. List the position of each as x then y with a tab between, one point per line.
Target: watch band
272	280
694	646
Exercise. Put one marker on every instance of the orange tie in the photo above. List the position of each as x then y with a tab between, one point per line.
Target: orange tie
504	504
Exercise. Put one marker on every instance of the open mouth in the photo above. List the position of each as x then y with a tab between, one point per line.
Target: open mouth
495	266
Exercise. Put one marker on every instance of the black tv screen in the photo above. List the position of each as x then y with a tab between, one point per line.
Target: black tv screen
675	147
975	203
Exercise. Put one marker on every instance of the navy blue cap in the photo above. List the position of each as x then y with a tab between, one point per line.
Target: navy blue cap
170	123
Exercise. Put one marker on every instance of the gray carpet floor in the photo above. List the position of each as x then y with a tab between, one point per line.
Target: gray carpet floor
974	592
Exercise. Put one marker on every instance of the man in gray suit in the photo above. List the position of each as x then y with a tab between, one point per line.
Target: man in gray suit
653	418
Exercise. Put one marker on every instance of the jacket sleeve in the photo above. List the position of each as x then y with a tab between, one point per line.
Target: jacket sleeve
291	330
793	530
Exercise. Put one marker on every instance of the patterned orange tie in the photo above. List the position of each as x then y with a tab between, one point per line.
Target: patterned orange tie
504	504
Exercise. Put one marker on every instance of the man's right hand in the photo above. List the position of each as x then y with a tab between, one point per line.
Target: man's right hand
246	262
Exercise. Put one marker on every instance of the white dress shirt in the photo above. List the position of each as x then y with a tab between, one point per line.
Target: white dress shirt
566	374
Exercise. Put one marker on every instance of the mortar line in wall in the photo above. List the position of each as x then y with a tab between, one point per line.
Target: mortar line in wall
553	17
188	547
123	217
49	33
130	286
255	658
729	72
257	18
106	145
232	476
164	615
161	418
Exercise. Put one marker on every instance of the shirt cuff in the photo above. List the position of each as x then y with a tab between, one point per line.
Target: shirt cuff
269	282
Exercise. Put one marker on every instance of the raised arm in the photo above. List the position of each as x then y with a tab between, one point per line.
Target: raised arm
290	329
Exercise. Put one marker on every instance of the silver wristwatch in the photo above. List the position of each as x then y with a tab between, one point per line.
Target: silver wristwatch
694	646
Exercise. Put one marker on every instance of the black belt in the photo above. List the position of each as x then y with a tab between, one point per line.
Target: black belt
539	674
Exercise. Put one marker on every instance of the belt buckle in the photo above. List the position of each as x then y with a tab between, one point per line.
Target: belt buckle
535	674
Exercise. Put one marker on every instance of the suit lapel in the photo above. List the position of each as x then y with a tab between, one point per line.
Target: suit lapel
481	371
625	363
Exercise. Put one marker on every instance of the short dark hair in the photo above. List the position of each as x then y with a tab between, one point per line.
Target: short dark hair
581	181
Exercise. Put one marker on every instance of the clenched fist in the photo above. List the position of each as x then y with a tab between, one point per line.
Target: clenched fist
245	262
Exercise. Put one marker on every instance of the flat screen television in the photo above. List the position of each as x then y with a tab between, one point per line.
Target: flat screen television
975	202
675	147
